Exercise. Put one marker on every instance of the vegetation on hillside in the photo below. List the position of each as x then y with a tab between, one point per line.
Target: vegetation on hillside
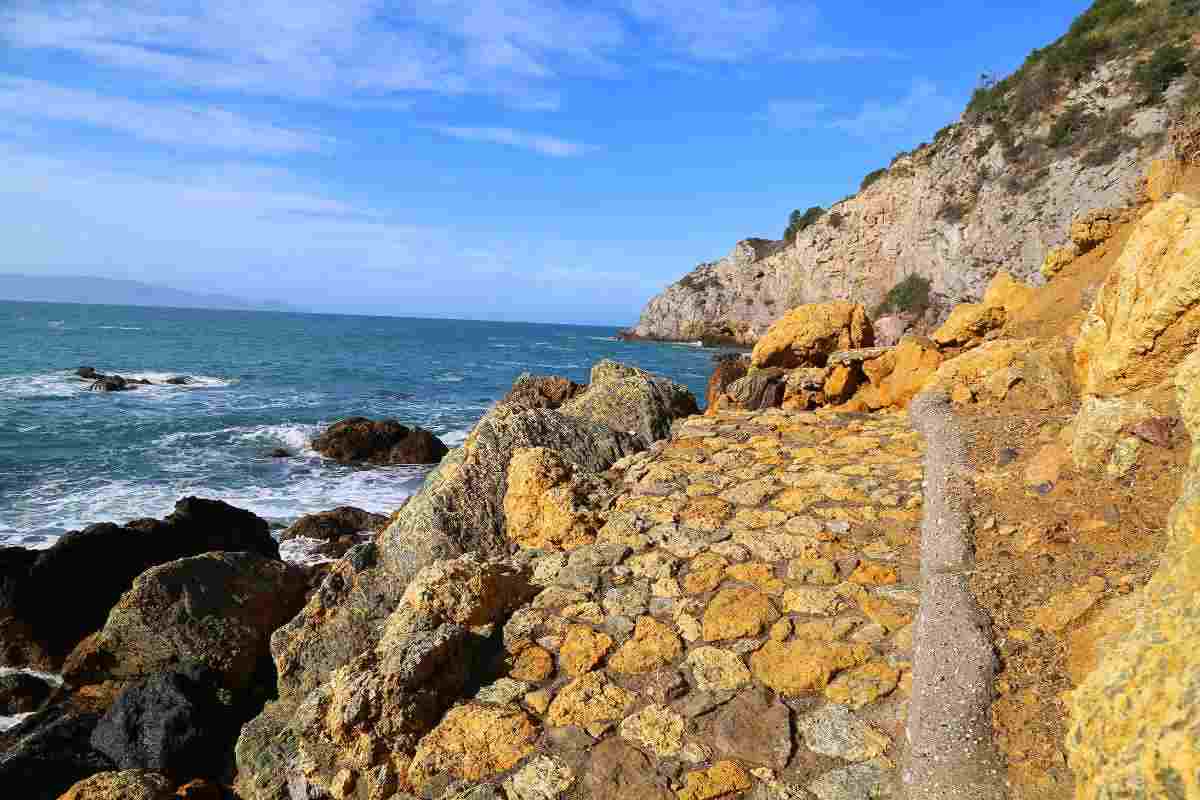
909	295
799	220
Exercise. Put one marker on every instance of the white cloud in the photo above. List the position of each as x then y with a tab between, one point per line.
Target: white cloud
546	145
166	123
922	108
724	30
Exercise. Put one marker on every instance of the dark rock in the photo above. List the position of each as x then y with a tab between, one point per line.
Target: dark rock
333	525
217	609
280	452
51	753
540	391
21	693
110	383
1006	456
179	380
174	723
358	440
15	563
87	373
761	390
617	771
1159	431
753	727
106	558
726	371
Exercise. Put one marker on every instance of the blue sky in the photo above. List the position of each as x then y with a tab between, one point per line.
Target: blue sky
543	160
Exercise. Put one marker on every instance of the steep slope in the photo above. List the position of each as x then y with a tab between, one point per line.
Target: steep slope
1071	131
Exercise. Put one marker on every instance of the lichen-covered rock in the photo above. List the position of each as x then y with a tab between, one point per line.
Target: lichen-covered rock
1162	177
540	391
1098	425
805	388
969	323
722	778
582	649
551	504
473	742
805	336
1057	259
1134	721
796	667
592	697
632	400
727	370
1146	317
991	371
131	784
738	612
217	609
654	645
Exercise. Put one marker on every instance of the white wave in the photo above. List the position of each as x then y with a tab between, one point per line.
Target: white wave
294	436
450	377
454	438
8	723
604	338
304	551
161	378
118	327
67	384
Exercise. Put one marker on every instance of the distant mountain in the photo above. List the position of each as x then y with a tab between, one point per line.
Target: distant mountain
108	291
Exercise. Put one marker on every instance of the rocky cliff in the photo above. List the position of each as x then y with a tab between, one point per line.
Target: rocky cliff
996	190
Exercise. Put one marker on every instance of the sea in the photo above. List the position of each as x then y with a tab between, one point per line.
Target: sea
70	457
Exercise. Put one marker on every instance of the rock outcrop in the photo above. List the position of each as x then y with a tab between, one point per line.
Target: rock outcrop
1134	721
132	784
340	529
358	440
805	336
216	609
631	400
106	558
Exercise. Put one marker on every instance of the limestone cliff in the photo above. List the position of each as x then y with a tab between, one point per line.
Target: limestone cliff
996	190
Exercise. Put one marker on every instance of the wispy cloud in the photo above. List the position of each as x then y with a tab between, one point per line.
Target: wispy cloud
923	107
724	30
546	145
201	126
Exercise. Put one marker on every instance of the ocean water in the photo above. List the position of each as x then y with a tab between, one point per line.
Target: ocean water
70	457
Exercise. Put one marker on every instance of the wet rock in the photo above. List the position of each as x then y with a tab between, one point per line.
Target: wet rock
358	440
332	525
217	609
50	754
21	693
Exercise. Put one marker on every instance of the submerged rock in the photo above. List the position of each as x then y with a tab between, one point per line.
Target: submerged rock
51	752
358	440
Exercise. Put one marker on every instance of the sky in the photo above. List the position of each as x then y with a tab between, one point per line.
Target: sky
538	160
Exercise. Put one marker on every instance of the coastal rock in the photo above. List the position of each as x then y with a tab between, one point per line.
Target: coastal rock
736	613
722	778
796	667
21	693
536	391
621	772
654	645
1099	425
988	373
899	375
591	697
551	504
805	336
968	324
332	525
1133	722
1146	317
358	440
217	609
106	558
50	753
729	368
753	727
1008	293
173	723
1095	227
131	784
763	388
629	399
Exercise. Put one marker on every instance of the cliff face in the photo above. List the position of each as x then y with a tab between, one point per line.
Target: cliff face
984	196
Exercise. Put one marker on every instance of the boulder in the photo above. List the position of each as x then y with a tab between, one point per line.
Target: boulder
1038	367
1146	317
805	336
132	784
632	400
762	388
891	328
340	529
1100	424
358	440
1133	721
1008	293
106	558
550	503
21	693
968	324
49	753
897	376
1057	259
218	609
174	723
540	391
729	368
1096	227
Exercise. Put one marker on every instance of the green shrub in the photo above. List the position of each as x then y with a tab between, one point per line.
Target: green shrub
953	210
909	295
1074	121
836	219
799	221
1155	75
871	178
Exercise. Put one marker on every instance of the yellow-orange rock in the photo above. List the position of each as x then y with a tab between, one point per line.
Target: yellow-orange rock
654	645
1057	259
1095	227
546	505
900	374
1162	178
473	742
738	612
532	664
1146	317
799	666
805	336
591	697
863	685
989	372
1008	293
722	778
1134	721
969	323
582	649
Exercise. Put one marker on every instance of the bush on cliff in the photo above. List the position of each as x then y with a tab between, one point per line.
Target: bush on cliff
1154	76
909	295
798	221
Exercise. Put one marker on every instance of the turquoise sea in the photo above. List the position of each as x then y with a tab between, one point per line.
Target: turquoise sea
262	380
